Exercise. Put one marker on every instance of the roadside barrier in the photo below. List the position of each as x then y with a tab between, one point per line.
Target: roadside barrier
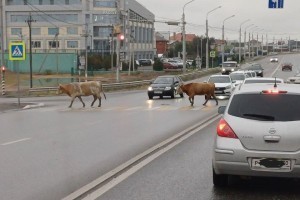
124	85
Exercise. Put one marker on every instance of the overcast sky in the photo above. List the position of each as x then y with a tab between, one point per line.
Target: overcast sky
278	23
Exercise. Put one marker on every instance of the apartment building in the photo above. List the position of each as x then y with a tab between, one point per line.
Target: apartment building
68	25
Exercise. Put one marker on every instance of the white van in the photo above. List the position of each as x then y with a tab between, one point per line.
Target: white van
229	66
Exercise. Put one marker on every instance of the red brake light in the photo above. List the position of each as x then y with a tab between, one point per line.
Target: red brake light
274	91
224	130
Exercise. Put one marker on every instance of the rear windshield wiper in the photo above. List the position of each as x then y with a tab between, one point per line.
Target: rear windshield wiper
259	116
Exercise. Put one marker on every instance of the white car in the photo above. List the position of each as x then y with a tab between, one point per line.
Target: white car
223	85
258	134
238	77
294	79
273	59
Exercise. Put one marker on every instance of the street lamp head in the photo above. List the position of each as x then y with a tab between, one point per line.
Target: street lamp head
244	22
212	11
187	4
228	18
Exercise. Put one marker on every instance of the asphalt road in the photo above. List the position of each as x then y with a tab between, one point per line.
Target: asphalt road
184	173
49	151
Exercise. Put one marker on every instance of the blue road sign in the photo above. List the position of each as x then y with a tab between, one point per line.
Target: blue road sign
275	3
16	51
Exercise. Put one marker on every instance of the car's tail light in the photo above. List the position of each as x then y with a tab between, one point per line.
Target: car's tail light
224	130
274	91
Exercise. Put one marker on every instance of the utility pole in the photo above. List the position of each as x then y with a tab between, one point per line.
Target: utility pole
29	22
86	35
1	34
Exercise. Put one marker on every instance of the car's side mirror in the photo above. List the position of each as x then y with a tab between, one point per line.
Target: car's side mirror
221	109
234	81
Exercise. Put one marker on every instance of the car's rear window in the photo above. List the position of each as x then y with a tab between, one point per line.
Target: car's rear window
261	81
235	77
266	107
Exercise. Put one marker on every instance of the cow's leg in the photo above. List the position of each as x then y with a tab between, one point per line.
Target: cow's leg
99	97
214	96
191	100
95	98
72	100
79	97
206	99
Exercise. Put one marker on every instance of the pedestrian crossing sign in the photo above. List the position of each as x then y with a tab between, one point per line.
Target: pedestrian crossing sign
17	51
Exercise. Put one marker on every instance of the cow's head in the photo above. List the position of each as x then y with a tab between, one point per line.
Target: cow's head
59	89
179	89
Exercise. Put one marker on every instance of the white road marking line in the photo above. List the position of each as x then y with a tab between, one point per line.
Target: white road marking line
134	108
16	141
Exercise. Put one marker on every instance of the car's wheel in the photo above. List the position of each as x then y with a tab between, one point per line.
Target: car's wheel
150	96
220	180
173	94
161	96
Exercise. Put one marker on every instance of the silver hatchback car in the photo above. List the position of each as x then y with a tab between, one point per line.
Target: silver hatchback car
258	134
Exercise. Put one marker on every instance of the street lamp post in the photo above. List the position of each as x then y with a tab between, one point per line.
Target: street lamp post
183	37
223	42
207	58
240	38
245	35
250	49
257	43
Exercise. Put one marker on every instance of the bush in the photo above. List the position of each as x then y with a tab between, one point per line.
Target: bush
158	65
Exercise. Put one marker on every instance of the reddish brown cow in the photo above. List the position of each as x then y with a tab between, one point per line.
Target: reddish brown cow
192	89
76	89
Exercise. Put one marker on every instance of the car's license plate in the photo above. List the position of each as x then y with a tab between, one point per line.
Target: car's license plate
158	92
271	163
219	92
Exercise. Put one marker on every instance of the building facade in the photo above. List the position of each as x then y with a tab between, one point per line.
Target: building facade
72	25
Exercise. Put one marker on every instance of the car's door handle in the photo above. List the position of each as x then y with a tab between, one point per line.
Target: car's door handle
272	138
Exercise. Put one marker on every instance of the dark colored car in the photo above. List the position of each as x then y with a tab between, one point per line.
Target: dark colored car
257	68
165	86
287	67
145	62
169	65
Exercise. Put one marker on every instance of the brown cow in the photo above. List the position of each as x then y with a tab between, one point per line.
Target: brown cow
192	89
78	89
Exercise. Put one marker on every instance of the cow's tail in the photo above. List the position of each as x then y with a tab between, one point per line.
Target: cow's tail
103	91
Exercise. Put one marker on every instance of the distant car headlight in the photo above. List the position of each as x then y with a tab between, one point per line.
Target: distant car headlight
232	69
168	88
150	88
223	70
228	87
259	72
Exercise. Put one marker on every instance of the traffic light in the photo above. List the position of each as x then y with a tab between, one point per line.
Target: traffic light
3	70
121	38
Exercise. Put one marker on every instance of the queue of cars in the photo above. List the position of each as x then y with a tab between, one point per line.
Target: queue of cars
257	135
